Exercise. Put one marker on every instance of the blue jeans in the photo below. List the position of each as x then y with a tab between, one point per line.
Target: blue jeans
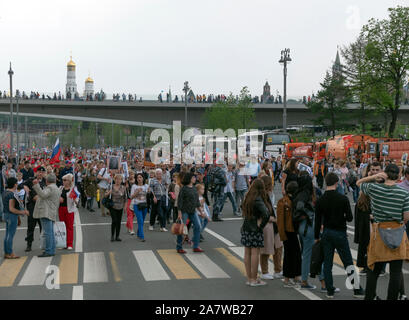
197	227
331	240
307	244
203	222
340	188
232	200
355	193
48	227
11	220
140	217
1	207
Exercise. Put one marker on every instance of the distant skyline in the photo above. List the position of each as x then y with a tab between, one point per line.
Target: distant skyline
143	47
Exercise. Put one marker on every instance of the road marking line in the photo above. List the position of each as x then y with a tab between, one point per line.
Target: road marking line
150	266
95	269
222	239
177	265
78	293
69	268
115	269
9	271
308	294
78	233
36	272
233	260
206	266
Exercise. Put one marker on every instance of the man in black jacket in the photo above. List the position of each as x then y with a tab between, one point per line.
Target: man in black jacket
333	211
32	198
219	181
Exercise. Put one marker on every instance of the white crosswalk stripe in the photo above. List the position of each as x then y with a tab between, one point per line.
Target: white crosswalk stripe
150	266
206	266
95	269
36	272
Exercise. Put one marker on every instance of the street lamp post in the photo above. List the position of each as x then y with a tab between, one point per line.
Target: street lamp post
17	120
285	59
186	90
11	109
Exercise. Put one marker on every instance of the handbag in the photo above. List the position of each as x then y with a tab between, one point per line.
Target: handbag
107	202
178	228
142	206
392	237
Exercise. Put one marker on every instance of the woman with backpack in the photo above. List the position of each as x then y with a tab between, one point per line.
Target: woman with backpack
292	252
256	213
303	208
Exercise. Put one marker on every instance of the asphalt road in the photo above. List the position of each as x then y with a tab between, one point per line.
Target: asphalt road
100	269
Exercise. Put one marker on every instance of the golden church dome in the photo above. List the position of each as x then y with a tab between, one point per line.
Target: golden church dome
71	63
89	80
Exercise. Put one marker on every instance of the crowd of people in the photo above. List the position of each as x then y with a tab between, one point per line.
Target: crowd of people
307	224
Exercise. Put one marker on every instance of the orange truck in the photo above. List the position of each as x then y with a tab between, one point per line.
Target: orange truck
291	147
393	150
341	147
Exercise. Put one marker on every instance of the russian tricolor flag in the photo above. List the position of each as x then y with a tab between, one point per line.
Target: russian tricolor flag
74	194
55	157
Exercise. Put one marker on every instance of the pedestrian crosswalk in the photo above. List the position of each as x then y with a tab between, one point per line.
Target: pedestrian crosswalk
151	265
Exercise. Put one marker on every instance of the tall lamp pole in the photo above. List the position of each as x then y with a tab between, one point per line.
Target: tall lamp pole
285	59
18	136
186	90
11	109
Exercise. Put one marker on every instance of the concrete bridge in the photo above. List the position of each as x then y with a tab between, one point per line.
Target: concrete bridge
155	114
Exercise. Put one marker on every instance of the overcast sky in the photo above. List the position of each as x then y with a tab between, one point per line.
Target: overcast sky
145	46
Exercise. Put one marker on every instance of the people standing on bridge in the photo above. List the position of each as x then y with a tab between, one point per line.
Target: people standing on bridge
69	201
188	202
333	211
46	209
257	210
287	232
12	210
31	201
390	207
119	199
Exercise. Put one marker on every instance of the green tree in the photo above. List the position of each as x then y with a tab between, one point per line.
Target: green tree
358	78
387	52
231	114
331	101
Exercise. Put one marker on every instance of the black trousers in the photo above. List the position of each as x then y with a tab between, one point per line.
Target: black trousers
158	210
31	225
292	256
116	216
175	214
396	282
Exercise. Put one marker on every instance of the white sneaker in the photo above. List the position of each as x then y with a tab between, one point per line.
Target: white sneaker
150	228
132	233
163	229
257	283
267	276
278	275
69	248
